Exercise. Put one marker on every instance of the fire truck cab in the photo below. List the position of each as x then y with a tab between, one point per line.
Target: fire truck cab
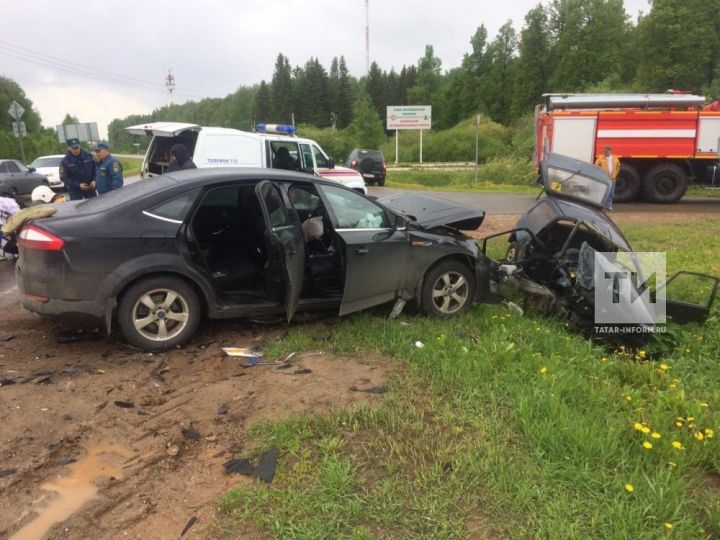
664	141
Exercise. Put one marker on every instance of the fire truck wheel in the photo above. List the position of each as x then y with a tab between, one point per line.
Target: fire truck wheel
627	184
665	183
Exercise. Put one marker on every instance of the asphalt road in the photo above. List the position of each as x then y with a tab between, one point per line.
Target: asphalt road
492	203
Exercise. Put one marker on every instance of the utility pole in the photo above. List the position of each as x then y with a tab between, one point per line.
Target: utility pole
367	37
170	83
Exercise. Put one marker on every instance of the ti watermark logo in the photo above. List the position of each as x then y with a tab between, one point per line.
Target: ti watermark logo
630	292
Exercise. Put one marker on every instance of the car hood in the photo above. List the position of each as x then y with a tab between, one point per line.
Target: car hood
430	212
47	170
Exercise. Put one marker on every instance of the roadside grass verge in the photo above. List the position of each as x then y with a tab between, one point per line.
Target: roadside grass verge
130	166
505	426
462	180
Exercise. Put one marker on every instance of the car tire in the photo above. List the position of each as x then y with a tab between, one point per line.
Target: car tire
381	182
627	184
448	290
145	315
665	183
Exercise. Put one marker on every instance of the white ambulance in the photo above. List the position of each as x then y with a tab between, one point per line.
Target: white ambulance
270	146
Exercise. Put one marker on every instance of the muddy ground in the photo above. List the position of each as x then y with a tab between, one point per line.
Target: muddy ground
121	414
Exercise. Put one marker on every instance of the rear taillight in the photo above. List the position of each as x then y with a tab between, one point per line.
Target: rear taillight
32	237
353	163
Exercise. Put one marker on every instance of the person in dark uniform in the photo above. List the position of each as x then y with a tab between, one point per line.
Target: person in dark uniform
181	159
108	172
77	172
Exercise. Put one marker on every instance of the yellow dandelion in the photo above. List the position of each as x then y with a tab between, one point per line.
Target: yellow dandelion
638	426
629	488
699	436
705	405
679	424
691	419
678	445
647	445
672	463
543	370
655	435
709	433
668	525
628	398
687	350
641	354
645	430
672	386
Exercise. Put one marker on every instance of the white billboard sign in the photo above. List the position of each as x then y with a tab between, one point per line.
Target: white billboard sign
87	131
409	117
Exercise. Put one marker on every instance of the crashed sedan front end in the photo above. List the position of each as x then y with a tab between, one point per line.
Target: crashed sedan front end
565	241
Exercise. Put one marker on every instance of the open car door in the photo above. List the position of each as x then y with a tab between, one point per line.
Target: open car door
162	129
286	256
689	296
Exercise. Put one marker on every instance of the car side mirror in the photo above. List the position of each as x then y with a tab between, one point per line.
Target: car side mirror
331	163
31	169
400	223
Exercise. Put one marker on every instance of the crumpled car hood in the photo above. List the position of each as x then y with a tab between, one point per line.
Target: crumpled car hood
429	212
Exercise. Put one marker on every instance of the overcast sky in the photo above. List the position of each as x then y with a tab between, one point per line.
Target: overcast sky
214	46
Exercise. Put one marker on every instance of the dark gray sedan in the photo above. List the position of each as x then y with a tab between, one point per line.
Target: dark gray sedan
158	255
19	179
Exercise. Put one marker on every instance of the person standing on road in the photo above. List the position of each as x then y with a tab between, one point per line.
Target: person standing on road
77	172
8	245
108	172
181	159
611	165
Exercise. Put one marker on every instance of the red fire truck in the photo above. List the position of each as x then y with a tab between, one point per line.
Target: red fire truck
664	141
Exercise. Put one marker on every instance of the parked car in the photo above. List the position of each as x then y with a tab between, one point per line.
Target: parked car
551	256
19	179
158	255
50	167
370	163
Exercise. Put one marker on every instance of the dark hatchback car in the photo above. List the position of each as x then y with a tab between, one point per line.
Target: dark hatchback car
158	255
369	163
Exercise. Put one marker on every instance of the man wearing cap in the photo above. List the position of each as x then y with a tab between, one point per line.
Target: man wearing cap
77	172
108	173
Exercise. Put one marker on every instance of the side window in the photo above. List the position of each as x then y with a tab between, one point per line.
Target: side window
320	158
285	155
307	155
274	205
12	166
175	209
354	211
3	167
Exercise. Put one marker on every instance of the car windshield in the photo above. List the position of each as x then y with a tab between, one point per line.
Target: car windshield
47	162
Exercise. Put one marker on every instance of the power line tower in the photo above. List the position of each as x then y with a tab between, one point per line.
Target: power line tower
367	37
170	82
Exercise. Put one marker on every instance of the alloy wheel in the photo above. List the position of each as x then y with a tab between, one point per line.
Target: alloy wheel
450	292
160	314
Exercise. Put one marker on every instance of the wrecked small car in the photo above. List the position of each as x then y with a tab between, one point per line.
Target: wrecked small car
158	255
550	256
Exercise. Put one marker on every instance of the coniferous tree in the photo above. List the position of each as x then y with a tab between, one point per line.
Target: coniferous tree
281	90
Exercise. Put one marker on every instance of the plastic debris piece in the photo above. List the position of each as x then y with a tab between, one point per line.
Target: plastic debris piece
124	404
514	308
265	469
405	323
238	466
7	382
7	472
223	409
73	337
244	352
301	371
189	524
397	308
66	461
191	433
101	406
37	374
419	344
370	390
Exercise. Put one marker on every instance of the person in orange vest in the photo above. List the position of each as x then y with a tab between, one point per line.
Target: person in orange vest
611	165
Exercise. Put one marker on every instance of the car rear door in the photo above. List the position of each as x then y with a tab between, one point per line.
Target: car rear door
376	253
286	244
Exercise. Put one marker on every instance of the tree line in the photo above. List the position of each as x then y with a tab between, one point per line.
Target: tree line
561	46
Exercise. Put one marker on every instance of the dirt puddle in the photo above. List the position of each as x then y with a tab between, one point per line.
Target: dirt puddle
103	460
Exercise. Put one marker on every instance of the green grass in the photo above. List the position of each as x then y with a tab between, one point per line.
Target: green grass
131	166
439	180
504	426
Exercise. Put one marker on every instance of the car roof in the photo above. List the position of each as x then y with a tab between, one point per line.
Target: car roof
51	155
201	177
